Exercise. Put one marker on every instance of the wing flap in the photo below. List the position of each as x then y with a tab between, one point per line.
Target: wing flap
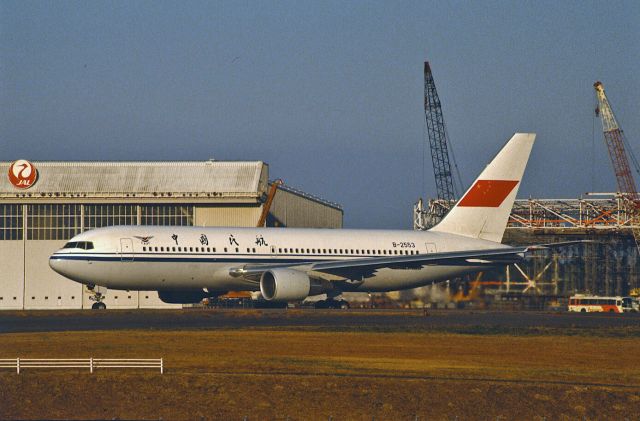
359	268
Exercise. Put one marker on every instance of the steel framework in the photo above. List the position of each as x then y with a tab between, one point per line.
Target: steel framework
597	214
565	214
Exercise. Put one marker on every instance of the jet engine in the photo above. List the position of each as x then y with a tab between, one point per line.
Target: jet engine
281	285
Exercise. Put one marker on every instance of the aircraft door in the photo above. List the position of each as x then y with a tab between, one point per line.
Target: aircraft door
431	247
126	249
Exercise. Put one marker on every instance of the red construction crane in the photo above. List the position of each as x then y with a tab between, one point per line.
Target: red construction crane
614	138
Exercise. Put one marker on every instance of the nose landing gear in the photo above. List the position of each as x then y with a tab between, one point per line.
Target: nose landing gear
98	294
99	306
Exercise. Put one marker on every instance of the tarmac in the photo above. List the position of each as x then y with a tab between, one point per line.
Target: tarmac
414	320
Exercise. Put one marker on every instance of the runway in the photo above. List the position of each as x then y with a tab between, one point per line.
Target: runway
455	321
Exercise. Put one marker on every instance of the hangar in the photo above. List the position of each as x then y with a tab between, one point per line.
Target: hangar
44	204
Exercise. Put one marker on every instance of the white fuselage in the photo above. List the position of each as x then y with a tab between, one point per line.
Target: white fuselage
183	258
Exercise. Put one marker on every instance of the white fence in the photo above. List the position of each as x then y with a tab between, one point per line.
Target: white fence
90	363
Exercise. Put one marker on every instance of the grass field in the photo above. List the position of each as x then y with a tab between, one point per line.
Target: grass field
300	374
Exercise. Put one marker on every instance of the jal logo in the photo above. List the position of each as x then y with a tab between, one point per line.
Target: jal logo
22	174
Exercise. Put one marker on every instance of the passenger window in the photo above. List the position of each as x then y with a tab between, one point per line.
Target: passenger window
156	249
248	250
254	250
237	250
144	249
161	248
225	249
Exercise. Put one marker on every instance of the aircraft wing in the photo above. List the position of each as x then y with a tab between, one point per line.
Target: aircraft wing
359	268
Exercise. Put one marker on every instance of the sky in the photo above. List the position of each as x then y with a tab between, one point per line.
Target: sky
328	93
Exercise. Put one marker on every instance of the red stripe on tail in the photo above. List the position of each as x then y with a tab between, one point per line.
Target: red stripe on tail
488	193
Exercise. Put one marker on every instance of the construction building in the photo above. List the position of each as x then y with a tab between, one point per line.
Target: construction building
605	263
44	204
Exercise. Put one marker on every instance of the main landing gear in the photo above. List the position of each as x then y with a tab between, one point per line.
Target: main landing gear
97	296
332	303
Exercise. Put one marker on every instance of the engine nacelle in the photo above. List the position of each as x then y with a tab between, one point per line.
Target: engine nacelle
281	285
182	297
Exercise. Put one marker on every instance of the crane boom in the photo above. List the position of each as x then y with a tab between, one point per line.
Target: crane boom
439	146
614	138
438	141
267	204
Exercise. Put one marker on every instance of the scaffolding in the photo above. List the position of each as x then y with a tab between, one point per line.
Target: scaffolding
565	215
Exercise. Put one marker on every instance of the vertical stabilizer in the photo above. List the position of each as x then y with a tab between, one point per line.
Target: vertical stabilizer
484	209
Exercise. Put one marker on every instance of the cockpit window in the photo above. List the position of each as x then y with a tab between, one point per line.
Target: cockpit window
85	245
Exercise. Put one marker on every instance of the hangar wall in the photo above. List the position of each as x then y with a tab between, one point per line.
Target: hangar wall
12	276
226	216
296	209
67	198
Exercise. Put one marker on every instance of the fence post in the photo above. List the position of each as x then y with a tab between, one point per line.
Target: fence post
161	366
18	364
91	365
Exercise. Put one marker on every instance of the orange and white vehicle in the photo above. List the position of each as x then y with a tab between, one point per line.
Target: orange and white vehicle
593	303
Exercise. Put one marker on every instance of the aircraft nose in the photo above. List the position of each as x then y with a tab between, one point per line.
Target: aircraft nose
67	267
55	264
62	266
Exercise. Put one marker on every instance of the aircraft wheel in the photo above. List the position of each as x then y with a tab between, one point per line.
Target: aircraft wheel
583	311
99	306
343	304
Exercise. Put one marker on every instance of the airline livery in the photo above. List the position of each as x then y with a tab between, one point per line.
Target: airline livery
187	264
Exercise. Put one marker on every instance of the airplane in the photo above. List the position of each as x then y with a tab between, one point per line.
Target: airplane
186	264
